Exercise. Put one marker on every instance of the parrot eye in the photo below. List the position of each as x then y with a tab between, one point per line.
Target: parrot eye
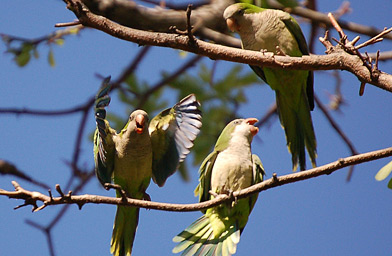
241	11
130	117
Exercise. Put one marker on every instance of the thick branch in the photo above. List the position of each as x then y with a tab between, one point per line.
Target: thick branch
31	197
323	19
209	15
130	14
337	60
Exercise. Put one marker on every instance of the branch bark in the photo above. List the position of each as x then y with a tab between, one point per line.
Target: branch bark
32	197
337	60
130	14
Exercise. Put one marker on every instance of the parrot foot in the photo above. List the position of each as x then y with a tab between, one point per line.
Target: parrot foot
213	193
263	51
122	192
233	198
229	193
146	197
279	51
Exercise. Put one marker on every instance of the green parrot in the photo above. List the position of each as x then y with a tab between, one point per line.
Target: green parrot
276	31
229	168
140	151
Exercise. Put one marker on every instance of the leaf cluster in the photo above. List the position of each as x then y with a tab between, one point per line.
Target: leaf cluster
24	49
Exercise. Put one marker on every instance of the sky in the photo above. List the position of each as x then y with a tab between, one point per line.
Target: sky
320	216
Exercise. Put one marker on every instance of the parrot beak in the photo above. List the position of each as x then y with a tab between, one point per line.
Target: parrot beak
232	25
254	130
140	120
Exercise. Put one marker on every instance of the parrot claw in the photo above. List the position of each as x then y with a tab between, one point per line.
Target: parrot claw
279	51
146	197
122	192
263	51
213	193
234	199
107	186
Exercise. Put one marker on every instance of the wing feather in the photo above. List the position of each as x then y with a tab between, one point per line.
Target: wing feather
172	134
104	149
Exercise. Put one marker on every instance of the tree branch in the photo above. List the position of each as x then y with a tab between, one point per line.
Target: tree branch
32	197
337	60
322	18
130	14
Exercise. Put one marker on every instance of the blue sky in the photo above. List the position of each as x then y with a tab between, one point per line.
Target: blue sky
321	216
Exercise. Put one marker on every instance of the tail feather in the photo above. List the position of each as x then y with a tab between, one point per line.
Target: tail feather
124	230
297	123
198	239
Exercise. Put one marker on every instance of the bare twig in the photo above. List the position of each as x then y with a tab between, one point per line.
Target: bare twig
375	39
323	19
191	63
342	135
7	168
67	24
268	115
21	193
339	60
47	232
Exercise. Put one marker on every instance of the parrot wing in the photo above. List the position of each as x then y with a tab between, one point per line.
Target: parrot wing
294	28
104	149
172	134
203	189
258	176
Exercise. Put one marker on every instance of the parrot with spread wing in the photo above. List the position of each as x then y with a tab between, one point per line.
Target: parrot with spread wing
140	151
229	168
276	31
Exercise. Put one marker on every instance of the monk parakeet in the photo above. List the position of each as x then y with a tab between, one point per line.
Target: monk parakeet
140	151
229	168
276	31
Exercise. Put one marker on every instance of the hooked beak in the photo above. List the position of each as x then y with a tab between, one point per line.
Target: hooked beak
232	24
254	130
140	120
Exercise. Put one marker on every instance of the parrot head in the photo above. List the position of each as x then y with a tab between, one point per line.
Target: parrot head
237	129
235	12
138	121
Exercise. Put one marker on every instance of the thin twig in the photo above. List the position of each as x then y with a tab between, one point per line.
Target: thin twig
342	135
311	62
327	169
67	24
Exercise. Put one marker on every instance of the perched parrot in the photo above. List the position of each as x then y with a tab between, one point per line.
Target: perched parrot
276	31
140	151
229	168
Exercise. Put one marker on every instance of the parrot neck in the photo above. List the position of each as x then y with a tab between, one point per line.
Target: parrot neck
239	145
131	143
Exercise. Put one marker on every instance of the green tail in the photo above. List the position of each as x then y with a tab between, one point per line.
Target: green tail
297	123
198	239
124	230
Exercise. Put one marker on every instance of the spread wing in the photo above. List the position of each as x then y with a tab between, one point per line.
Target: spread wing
172	134
104	149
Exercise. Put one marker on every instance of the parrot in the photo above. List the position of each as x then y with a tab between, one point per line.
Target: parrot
278	32
229	168
141	151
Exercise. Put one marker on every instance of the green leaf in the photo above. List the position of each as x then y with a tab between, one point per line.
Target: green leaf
22	58
51	60
384	172
390	184
59	41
